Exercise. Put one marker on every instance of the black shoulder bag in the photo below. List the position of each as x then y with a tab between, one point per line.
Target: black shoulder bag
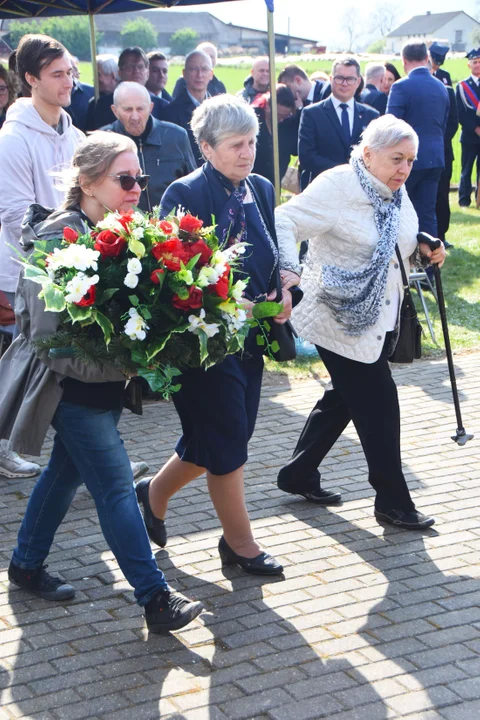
409	339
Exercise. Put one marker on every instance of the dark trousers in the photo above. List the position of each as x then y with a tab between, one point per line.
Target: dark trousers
470	153
442	207
422	188
367	395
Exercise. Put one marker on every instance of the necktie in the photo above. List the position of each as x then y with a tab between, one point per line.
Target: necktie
345	123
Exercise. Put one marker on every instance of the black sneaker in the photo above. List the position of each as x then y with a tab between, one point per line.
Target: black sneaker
157	532
412	520
40	583
169	610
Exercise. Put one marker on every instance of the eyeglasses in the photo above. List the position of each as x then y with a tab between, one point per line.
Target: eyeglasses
133	66
199	70
340	79
127	182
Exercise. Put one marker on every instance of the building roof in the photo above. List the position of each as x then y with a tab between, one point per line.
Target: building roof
425	24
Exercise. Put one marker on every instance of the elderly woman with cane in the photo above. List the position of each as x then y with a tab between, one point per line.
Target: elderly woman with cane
360	221
218	407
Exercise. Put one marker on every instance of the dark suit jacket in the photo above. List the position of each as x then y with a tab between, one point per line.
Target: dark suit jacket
376	99
318	92
321	144
100	111
422	101
287	145
443	76
467	116
78	109
215	87
452	124
180	112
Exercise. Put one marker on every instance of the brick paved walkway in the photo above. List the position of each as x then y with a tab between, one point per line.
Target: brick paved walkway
370	623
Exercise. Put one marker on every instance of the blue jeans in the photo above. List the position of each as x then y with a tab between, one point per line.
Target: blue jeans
88	449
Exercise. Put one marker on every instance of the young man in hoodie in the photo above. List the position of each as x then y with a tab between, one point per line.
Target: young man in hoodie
36	138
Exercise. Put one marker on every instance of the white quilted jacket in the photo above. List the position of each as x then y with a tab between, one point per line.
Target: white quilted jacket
335	214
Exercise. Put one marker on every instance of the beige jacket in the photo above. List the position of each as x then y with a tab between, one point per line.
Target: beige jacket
335	214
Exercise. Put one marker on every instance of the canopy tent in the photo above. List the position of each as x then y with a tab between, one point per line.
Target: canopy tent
20	9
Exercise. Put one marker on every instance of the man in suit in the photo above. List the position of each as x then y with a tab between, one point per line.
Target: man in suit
468	103
422	101
158	75
197	73
215	86
133	66
374	92
305	91
437	54
78	108
329	128
442	207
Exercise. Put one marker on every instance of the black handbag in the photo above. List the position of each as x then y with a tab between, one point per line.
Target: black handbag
409	339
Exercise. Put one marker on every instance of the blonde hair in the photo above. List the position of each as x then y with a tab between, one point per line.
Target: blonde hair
92	161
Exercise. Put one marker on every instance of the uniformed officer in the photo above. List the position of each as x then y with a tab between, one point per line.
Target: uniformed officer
437	56
468	103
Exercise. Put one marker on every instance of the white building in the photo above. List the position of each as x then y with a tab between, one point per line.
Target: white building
455	27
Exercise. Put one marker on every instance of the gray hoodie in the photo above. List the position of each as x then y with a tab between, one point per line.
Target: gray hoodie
29	150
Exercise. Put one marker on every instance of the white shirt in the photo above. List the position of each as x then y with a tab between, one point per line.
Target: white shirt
350	110
476	80
309	97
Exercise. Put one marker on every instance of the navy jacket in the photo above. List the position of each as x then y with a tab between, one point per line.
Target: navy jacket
422	101
443	76
452	124
215	87
100	111
318	92
164	154
78	109
287	145
376	99
467	116
180	112
321	144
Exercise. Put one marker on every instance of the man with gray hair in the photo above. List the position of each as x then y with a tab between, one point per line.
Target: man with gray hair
215	86
374	93
163	148
197	74
107	69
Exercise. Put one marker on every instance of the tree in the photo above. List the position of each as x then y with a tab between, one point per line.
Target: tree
17	29
141	32
73	32
384	18
352	25
184	41
377	46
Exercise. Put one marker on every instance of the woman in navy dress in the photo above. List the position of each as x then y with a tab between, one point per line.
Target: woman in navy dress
218	407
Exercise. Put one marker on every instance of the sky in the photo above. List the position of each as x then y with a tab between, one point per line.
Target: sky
321	19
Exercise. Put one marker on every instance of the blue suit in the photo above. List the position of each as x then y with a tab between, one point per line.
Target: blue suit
321	143
376	99
422	101
180	112
78	109
470	141
321	91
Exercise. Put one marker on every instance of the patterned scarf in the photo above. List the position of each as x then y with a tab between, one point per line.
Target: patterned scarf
231	223
355	297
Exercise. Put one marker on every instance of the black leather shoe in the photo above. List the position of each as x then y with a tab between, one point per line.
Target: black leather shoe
169	610
319	496
38	582
157	532
263	564
412	520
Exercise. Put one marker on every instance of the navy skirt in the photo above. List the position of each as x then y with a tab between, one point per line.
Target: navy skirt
218	409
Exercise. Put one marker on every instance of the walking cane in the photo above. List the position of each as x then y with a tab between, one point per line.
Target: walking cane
461	436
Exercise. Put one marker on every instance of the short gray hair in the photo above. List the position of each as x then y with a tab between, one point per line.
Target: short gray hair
108	63
374	71
222	116
201	54
127	87
384	132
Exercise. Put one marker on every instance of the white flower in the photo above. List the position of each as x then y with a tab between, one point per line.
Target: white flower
197	325
236	320
218	262
131	280
232	252
186	276
134	266
78	286
74	256
238	288
110	222
138	218
136	326
208	276
137	233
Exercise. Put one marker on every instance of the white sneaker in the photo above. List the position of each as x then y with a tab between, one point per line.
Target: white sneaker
139	469
13	466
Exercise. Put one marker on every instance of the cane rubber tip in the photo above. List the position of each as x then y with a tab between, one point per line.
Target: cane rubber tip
461	438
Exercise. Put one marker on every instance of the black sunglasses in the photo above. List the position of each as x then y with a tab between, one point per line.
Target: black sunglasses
127	182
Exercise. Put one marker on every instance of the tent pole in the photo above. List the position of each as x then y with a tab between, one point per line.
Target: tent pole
273	96
93	52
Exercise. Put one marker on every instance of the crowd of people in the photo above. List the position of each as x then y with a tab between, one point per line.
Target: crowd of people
359	141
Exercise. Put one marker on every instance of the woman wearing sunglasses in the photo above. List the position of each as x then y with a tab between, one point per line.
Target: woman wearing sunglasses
83	403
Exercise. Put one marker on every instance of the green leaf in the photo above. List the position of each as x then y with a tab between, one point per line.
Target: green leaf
109	293
134	300
53	297
266	326
36	274
136	247
260	340
79	313
275	347
203	340
266	309
193	261
106	326
146	314
153	350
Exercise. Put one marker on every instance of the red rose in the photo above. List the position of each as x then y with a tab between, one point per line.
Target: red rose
222	284
199	247
70	235
109	244
125	218
190	224
88	298
155	276
194	300
166	227
170	252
